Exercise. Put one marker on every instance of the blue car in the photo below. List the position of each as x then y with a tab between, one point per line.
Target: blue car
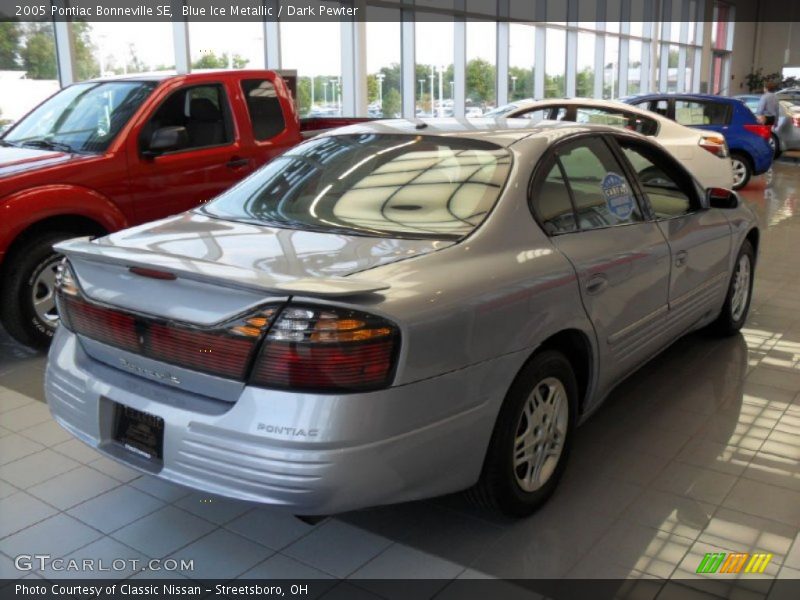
748	141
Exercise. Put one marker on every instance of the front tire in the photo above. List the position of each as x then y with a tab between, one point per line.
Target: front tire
27	298
532	437
742	170
740	291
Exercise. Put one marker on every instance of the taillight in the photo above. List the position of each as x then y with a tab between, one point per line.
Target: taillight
796	120
764	131
327	350
714	144
225	350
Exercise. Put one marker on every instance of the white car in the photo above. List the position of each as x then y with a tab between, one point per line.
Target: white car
705	154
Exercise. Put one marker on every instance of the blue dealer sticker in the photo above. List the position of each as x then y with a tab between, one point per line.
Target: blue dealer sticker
617	195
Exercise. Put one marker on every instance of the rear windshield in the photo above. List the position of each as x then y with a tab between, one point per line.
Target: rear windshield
377	185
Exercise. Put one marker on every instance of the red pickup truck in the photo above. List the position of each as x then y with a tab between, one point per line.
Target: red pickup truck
103	155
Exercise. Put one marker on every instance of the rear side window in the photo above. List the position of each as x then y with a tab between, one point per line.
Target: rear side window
616	118
552	204
264	108
691	112
601	193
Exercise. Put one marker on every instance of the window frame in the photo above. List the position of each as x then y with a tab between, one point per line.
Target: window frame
268	140
703	102
696	197
227	118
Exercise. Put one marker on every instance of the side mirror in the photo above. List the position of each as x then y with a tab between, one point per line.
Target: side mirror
166	139
721	198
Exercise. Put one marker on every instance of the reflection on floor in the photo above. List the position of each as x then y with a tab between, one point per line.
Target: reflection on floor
699	452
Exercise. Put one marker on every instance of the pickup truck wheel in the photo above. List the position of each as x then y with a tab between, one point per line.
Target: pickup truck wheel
27	299
531	439
742	170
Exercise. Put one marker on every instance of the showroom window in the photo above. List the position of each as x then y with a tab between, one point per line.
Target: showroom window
320	64
28	60
384	81
555	64
584	76
106	49
481	72
434	68
264	108
521	66
226	45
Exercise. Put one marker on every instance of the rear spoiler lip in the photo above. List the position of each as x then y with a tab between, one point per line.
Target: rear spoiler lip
210	272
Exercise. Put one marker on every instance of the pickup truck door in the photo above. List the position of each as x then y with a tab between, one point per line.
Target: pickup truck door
208	159
699	238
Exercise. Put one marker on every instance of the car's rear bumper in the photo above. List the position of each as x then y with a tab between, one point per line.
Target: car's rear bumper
312	454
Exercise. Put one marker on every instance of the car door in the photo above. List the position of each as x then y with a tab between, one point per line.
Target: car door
699	238
210	159
586	203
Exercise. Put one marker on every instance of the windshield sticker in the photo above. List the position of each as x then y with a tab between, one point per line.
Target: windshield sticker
617	195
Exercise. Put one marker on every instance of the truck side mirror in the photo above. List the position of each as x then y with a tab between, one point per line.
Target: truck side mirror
721	198
166	139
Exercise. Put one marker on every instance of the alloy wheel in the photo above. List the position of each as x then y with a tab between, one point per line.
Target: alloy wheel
741	287
43	293
540	434
739	171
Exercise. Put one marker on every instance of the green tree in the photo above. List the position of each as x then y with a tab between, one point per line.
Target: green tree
212	61
39	52
10	38
480	81
86	65
372	88
584	83
304	95
522	87
672	59
391	103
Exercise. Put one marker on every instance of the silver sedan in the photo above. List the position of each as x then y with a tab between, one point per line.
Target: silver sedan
393	311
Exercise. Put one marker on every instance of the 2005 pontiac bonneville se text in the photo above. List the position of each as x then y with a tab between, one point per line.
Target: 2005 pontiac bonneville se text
440	302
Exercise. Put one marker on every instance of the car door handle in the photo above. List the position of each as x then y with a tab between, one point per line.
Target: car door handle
596	284
237	162
680	258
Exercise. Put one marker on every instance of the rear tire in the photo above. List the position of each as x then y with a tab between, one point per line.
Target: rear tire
776	147
27	301
532	437
742	170
740	291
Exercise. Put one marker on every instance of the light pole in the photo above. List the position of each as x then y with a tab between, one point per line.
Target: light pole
433	84
380	77
452	90
325	92
334	93
513	84
441	92
312	92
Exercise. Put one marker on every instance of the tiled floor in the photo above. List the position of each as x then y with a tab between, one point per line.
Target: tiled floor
699	452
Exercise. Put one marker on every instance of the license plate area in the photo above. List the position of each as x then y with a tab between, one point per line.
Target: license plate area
139	433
